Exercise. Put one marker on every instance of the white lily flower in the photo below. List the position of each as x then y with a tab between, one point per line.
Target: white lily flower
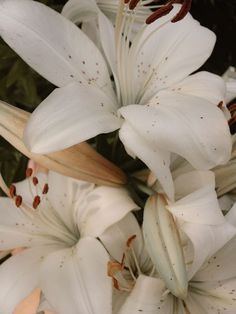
209	248
163	109
58	231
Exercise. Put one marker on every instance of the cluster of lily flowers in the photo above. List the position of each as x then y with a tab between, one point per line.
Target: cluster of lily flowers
71	226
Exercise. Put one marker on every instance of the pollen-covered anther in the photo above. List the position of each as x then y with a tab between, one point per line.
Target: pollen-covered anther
186	6
130	240
36	201
12	191
18	201
35	181
45	189
28	172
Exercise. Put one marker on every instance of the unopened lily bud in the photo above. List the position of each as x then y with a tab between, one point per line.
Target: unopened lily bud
164	246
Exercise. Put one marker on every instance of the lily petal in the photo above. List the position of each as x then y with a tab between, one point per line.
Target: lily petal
24	26
185	46
221	266
83	271
156	159
185	125
80	161
70	115
20	276
200	205
203	84
213	297
115	237
146	297
104	207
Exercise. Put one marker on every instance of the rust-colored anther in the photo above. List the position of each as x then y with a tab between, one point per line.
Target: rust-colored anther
130	240
126	1
18	200
186	6
35	180
220	104
36	201
45	189
12	191
232	108
28	172
115	283
133	4
159	13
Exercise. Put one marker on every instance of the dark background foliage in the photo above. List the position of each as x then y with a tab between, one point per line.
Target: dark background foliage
22	87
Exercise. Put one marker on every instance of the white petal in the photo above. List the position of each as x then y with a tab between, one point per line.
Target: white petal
68	116
75	280
168	52
201	204
206	240
146	297
62	54
96	25
16	229
20	276
231	215
104	206
213	297
63	194
80	11
156	159
115	237
231	90
221	266
203	84
185	125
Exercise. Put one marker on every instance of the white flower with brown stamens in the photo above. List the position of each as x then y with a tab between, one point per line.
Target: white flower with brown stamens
58	230
203	280
152	98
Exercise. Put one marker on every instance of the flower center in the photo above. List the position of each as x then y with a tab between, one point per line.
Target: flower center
45	219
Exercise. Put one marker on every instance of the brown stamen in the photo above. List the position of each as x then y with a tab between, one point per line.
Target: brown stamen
130	240
133	4
232	108
186	6
28	172
45	189
35	180
159	13
12	191
18	200
36	201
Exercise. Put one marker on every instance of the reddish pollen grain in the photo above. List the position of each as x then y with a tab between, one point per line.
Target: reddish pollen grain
45	189
35	180
128	243
12	191
36	201
28	172
18	200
